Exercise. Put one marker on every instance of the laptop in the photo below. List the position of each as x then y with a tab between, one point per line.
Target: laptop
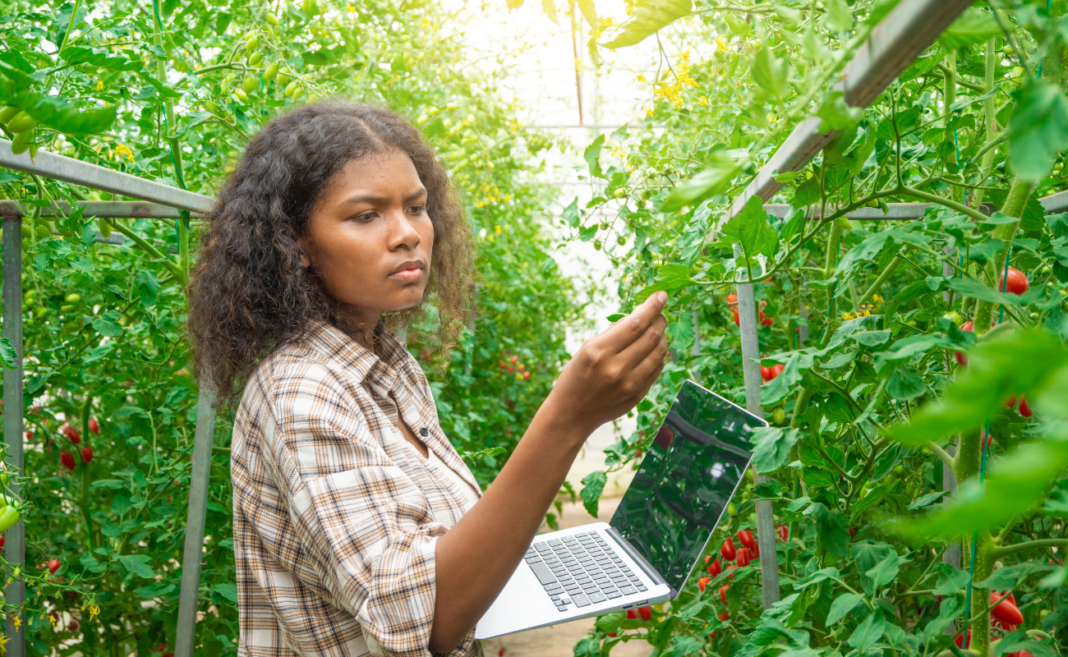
657	535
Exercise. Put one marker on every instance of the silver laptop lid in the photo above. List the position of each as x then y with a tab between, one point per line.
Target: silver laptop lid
685	481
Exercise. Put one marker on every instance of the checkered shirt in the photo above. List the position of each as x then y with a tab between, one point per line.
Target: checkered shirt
336	516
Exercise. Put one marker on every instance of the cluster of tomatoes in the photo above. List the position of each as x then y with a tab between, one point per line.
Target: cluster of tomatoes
512	365
732	302
75	437
1004	615
741	557
645	613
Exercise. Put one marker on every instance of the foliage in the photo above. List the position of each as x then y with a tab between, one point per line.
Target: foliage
171	92
865	316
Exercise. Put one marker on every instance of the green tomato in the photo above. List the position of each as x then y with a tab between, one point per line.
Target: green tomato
7	113
73	297
250	84
27	230
21	122
8	517
732	509
778	416
283	79
251	44
291	89
954	317
271	72
255	58
21	143
272	19
105	228
239	95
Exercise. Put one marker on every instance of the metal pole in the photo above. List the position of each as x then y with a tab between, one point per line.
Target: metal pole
185	632
97	209
769	562
15	537
74	171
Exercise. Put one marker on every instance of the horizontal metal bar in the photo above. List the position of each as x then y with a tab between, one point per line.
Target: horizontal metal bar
1055	202
895	211
95	210
60	167
894	43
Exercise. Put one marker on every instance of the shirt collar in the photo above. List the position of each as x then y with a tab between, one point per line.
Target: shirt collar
382	373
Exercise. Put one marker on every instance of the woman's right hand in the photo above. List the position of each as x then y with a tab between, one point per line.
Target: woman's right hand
612	372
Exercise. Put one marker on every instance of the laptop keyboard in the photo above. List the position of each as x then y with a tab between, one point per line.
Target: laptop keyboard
581	569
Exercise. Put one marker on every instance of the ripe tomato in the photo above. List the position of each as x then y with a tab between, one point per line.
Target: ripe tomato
504	365
723	593
744	557
646	613
777	370
511	369
960	640
53	566
727	550
746	538
87	454
852	533
968	326
784	533
94	426
67	459
730	568
1025	410
1006	612
732	298
1	541
632	614
765	373
526	375
701	583
724	615
1016	284
70	432
513	359
715	568
737	319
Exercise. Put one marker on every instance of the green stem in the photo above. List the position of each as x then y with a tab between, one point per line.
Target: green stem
1013	207
70	25
86	511
1007	550
938	200
881	281
989	118
984	567
176	271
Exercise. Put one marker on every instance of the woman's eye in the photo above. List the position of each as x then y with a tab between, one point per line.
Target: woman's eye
418	209
366	216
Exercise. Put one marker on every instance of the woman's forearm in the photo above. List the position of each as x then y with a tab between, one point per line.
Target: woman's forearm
478	555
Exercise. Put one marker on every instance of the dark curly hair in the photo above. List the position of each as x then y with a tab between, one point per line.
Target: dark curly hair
249	292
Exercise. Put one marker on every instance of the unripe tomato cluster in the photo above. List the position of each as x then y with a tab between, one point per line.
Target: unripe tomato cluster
511	365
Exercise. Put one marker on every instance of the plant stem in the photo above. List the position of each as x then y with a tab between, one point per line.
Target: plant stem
1013	207
881	281
1007	550
70	25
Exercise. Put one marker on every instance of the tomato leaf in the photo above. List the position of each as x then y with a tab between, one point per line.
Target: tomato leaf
974	26
751	230
137	564
8	354
885	571
1038	129
714	179
592	487
771	73
671	277
649	17
838	17
841	607
1010	577
868	632
771	447
592	156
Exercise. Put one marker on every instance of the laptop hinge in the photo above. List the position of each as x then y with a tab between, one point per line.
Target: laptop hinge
638	558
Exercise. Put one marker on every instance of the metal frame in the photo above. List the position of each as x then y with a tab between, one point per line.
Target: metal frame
895	42
163	202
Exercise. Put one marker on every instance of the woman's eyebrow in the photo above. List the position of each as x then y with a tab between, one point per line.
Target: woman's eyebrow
377	200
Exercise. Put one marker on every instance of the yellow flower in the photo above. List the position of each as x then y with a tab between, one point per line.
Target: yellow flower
641	78
53	619
349	8
685	56
498	229
702	101
722	44
877	298
847	315
99	85
649	112
17	620
122	150
93	611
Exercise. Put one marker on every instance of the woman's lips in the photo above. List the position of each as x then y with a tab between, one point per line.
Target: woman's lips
408	275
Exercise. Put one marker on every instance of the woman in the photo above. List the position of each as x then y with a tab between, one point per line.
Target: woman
357	527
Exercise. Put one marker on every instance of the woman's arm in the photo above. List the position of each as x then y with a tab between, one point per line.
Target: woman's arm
609	375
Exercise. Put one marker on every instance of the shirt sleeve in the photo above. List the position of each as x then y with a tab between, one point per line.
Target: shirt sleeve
368	528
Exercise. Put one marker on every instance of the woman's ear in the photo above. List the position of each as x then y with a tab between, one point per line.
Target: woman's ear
303	246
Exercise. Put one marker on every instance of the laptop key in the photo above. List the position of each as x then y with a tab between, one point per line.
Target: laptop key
641	587
597	597
544	575
628	590
565	600
581	601
612	595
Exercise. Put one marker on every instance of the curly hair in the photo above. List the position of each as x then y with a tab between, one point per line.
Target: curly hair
249	292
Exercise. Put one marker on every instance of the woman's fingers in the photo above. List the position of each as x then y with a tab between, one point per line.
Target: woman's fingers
631	328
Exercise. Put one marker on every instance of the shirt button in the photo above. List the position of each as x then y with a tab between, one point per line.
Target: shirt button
424	432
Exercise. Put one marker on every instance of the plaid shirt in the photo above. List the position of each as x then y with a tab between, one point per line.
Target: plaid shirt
336	516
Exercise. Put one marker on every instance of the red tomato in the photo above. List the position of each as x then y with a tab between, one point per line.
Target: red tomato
53	566
67	459
94	426
852	533
754	551
730	568
960	640
513	359
968	326
504	365
1	541
784	533
715	568
70	432
744	557
732	298
701	583
1025	410
765	373
87	454
612	634
1006	612
511	369
724	615
1016	284
632	614
986	443
727	550
723	593
646	613
737	320
776	370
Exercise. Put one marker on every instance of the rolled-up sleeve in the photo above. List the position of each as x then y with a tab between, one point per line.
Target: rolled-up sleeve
367	527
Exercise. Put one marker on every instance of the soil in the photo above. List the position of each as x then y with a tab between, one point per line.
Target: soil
559	640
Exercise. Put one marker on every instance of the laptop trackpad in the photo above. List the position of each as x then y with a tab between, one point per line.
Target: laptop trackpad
506	614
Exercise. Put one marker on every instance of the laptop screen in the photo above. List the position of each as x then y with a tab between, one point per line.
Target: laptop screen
686	480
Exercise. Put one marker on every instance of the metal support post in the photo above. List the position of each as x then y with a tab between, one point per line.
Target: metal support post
15	537
769	562
185	632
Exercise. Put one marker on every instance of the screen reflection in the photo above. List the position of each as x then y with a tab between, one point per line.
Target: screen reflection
685	481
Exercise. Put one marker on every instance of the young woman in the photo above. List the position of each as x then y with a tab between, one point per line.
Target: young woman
357	527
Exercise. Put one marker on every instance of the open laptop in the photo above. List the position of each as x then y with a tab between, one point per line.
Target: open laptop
655	538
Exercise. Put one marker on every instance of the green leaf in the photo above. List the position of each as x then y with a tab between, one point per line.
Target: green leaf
1038	129
649	17
686	646
905	384
926	500
771	73
7	353
970	287
841	606
974	26
821	575
671	277
592	487
836	114
714	179
610	622
570	214
871	338
870	500
771	447
1002	366
750	228
549	7
1010	577
592	156
137	564
228	591
885	571
868	632
838	18
1013	484
589	12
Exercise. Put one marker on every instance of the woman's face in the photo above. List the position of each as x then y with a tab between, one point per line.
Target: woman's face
370	237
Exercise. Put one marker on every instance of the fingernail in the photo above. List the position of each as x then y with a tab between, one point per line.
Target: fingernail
661	296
